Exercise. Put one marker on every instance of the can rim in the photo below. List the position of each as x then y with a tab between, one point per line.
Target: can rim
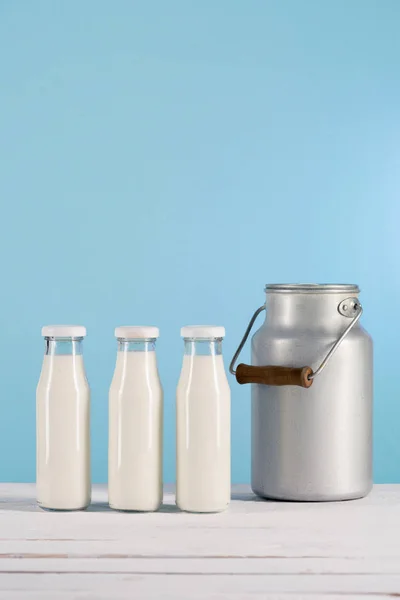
313	288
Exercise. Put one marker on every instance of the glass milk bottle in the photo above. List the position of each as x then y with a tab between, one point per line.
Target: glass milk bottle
135	423
203	408
63	422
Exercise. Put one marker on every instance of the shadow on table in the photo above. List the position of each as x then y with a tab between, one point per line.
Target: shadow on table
18	505
247	497
99	507
104	507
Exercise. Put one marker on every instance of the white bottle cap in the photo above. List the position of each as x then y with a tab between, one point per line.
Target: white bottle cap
203	331
134	332
62	331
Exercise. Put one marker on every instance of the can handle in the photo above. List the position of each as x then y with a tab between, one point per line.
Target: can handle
274	375
300	376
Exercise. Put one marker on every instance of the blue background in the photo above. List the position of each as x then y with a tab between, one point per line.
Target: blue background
160	161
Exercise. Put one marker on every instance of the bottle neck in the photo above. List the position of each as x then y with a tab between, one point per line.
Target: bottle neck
136	345
62	346
203	347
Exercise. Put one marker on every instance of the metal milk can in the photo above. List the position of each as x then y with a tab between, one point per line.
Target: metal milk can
312	394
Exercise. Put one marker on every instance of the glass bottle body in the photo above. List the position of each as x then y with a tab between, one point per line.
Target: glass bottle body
63	427
135	428
203	429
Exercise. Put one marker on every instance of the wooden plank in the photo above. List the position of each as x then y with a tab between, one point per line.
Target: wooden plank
45	595
213	544
370	534
201	566
176	587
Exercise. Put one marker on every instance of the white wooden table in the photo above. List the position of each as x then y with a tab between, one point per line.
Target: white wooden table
256	549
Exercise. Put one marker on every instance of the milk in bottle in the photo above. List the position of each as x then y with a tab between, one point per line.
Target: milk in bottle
203	423
135	423
63	422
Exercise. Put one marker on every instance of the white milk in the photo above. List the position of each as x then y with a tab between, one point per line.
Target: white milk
135	433
62	434
203	435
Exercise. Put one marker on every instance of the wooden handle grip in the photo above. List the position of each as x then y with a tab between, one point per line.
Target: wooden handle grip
274	375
